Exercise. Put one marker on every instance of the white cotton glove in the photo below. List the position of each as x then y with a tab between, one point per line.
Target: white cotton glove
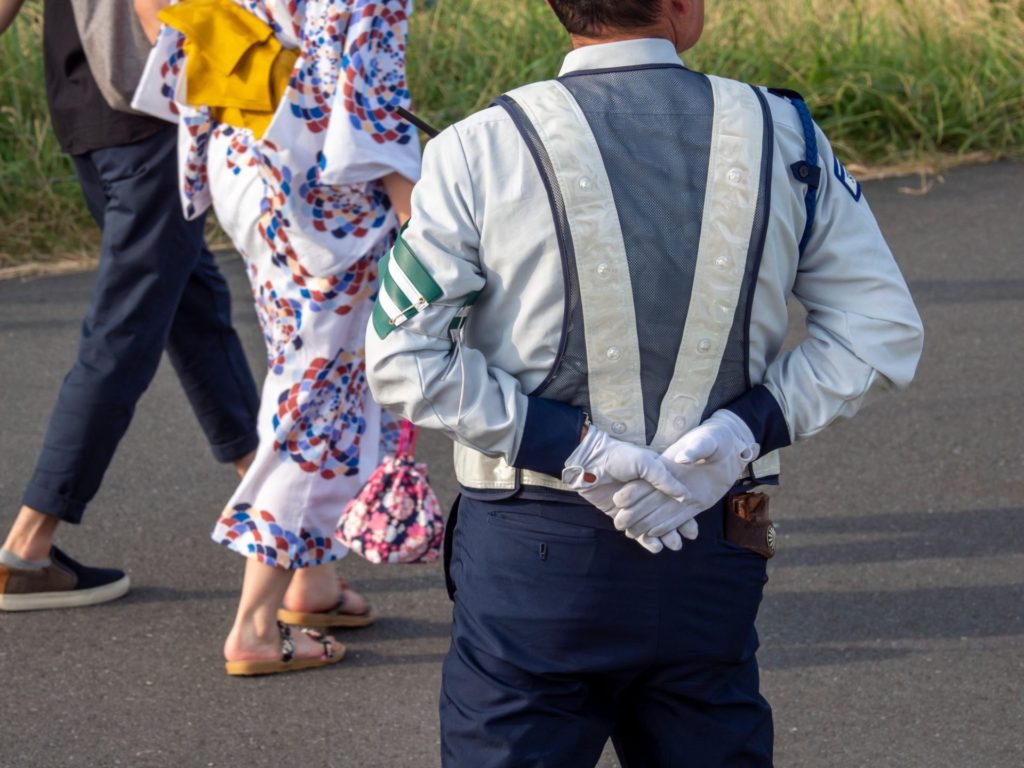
658	517
601	497
600	459
708	459
600	465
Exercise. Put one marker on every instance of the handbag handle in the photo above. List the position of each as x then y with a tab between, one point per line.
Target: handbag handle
407	440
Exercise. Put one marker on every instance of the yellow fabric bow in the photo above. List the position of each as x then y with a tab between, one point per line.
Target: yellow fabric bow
234	63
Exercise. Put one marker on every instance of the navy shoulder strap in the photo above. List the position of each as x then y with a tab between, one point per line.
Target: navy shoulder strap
806	171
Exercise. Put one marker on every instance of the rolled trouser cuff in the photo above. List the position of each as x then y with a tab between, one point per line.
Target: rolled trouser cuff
226	453
53	504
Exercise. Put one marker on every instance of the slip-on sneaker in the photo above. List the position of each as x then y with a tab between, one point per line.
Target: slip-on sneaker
64	583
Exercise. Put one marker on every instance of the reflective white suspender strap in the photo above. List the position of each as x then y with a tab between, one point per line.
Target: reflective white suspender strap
609	319
606	294
730	205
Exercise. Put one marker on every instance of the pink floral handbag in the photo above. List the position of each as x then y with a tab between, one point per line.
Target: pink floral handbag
395	518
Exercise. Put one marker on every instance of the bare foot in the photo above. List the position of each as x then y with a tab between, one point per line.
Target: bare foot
313	590
245	643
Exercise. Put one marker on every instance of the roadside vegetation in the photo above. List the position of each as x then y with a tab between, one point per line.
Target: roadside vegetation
42	214
891	81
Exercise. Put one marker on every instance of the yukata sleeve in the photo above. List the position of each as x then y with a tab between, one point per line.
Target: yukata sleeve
160	93
865	335
158	87
366	139
416	365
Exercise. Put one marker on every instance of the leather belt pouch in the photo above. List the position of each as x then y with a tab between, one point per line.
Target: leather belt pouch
747	523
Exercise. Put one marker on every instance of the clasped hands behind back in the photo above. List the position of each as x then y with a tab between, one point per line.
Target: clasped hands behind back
653	498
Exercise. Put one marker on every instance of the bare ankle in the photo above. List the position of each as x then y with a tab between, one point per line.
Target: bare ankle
313	589
242	465
31	536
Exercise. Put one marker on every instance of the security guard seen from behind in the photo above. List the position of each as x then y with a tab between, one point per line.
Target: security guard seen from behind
590	300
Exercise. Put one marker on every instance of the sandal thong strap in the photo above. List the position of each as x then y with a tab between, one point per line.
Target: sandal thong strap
326	642
287	643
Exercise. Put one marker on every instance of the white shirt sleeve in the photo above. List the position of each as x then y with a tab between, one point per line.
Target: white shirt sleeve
418	369
865	335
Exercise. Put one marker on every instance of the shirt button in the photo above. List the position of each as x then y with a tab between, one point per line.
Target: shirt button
735	176
704	346
679	422
585	183
604	270
614	354
722	262
619	428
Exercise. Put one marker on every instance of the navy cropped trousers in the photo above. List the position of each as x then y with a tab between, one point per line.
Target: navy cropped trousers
157	287
566	634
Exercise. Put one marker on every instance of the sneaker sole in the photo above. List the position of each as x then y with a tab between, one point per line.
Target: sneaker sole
75	598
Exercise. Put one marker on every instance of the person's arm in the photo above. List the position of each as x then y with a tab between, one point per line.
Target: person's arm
147	11
416	365
864	333
399	190
413	364
864	336
377	145
8	11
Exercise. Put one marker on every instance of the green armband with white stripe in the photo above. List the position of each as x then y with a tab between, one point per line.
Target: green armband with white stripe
460	317
406	288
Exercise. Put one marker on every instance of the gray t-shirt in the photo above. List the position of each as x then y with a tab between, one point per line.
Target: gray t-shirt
81	117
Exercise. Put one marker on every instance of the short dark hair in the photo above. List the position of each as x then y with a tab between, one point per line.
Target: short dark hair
589	17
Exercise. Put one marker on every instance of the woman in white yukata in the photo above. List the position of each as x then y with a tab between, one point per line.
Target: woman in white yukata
288	127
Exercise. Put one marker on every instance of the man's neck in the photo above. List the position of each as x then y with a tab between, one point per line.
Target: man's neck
579	41
661	29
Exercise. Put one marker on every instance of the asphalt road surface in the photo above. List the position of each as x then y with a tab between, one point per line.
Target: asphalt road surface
892	628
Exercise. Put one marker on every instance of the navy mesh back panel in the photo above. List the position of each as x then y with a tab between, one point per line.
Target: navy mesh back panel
653	126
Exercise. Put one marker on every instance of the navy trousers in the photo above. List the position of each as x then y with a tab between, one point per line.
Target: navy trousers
566	633
157	287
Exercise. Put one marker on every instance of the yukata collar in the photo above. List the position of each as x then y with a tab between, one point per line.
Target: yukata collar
647	51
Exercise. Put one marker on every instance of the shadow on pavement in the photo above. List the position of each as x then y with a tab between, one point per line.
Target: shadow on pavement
780	657
898	537
925	614
402	628
143	595
966	291
428	581
367	659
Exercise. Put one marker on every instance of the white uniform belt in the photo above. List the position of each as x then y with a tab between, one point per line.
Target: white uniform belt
476	470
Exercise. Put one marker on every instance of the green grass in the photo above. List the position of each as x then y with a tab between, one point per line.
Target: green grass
888	80
42	214
891	81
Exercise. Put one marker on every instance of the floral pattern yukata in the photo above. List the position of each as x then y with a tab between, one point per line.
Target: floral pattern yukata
305	207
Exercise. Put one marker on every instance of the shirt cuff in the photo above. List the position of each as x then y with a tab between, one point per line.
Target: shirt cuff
551	434
763	415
